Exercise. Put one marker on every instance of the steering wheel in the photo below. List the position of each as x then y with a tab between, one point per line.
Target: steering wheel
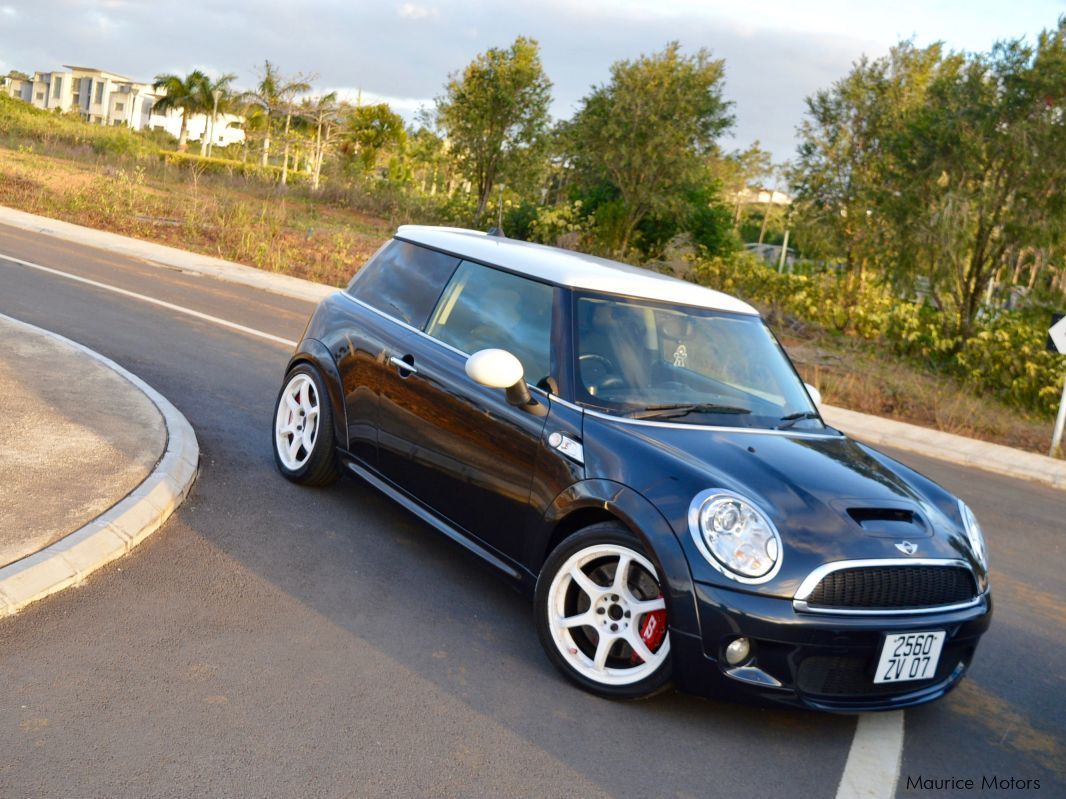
598	372
594	357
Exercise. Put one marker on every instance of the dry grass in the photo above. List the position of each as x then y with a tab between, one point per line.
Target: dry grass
238	220
855	375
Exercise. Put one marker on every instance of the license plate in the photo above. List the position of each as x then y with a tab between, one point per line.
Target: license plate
909	656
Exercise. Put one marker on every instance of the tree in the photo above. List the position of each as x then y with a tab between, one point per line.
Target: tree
846	155
985	159
371	129
648	132
253	122
739	171
321	112
275	94
939	167
184	95
427	152
495	115
217	97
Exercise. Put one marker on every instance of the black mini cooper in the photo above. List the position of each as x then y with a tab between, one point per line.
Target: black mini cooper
640	455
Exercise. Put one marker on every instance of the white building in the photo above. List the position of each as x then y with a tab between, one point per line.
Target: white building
106	98
759	196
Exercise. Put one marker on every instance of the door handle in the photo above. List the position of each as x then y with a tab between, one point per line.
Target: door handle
403	365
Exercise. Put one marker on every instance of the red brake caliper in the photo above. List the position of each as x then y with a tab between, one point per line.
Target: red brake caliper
652	632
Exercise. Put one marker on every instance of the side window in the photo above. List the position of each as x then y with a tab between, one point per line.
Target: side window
404	281
484	307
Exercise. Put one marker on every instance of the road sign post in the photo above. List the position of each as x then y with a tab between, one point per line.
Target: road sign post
1060	422
1056	342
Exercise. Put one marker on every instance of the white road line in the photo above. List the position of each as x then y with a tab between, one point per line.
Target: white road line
162	304
875	757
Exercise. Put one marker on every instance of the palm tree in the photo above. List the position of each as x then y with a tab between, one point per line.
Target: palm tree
253	121
217	97
322	112
185	95
275	94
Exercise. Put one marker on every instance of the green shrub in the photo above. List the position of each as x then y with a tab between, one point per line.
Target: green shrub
20	122
1005	356
205	165
552	222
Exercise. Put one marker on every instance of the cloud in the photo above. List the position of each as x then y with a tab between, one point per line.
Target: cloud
407	107
417	12
404	51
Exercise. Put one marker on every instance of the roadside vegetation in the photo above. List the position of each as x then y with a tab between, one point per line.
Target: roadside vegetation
927	235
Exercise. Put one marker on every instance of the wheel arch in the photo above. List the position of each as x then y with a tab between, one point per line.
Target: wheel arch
314	352
592	501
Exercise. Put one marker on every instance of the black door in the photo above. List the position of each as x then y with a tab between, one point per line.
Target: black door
395	291
456	446
357	336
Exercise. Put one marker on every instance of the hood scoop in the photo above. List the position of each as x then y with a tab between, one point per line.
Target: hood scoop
897	522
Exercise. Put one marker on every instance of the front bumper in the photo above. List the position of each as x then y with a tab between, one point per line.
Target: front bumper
817	661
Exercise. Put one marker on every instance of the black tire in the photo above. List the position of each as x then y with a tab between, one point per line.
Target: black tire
615	535
320	467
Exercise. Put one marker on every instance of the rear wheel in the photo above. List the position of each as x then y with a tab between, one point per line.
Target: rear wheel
601	615
304	449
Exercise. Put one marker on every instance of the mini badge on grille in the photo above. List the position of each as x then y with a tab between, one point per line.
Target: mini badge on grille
906	547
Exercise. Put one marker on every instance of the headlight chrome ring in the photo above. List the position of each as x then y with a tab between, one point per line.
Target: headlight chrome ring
735	536
974	534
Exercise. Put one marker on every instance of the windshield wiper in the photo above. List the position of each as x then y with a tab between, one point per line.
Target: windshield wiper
683	409
799	416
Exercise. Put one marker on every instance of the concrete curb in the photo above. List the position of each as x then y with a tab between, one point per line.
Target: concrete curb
872	429
68	561
994	458
171	257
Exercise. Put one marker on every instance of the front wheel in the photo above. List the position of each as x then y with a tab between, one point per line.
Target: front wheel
601	615
304	449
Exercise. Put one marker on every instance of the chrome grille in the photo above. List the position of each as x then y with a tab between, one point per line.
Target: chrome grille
893	588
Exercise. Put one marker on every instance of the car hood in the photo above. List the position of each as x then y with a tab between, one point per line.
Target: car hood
831	498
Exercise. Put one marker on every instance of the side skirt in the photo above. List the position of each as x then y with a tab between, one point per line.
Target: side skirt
431	519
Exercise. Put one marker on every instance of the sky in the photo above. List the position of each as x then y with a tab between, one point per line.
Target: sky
776	52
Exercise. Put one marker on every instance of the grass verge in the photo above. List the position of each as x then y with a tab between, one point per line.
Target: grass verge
294	233
241	220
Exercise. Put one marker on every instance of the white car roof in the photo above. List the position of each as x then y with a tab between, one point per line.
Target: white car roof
571	269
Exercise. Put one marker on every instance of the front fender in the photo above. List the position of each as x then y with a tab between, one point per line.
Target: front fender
650	526
314	352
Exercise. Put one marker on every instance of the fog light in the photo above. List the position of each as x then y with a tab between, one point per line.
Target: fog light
738	651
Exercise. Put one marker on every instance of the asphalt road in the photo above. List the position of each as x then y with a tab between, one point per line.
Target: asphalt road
272	640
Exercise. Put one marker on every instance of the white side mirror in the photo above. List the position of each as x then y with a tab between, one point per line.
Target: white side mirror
494	368
500	369
816	395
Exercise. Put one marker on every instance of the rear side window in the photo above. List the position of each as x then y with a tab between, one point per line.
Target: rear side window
484	307
404	281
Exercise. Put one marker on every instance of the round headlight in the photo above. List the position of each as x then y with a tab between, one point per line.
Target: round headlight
735	536
973	532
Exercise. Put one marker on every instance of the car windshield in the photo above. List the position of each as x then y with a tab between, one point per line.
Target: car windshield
651	360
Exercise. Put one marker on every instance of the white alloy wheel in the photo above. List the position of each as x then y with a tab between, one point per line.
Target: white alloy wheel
598	606
296	422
